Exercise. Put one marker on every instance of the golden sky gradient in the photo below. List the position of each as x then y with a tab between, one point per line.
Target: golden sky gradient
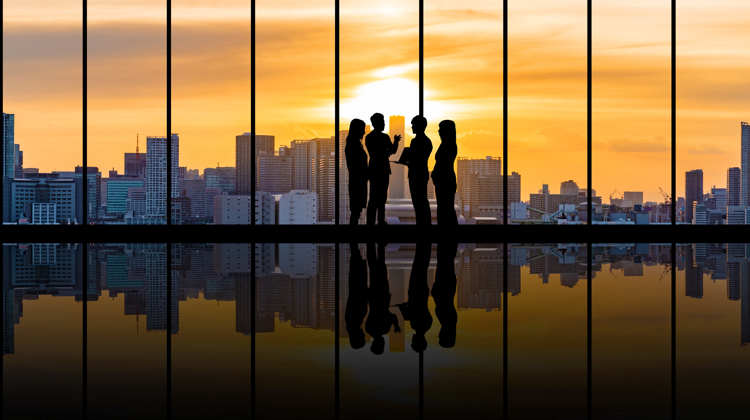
42	80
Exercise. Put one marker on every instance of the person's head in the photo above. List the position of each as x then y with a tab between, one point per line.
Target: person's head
447	337
378	345
418	343
378	121
356	130
447	131
418	124
357	338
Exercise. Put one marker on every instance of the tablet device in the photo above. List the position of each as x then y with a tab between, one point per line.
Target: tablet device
405	157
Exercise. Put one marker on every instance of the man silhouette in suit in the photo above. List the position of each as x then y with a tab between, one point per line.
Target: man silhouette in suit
419	174
380	149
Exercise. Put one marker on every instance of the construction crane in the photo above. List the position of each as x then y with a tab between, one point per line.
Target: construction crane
666	270
613	193
665	195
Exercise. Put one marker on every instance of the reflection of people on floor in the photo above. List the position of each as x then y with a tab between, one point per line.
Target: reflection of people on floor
356	164
419	293
380	319
444	176
444	292
356	303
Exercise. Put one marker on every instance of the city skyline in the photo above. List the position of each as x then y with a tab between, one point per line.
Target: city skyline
547	73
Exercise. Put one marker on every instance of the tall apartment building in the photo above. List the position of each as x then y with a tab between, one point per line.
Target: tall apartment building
734	186
156	174
93	191
569	188
195	191
17	161
274	174
325	187
693	191
720	199
745	156
244	161
486	194
489	166
8	142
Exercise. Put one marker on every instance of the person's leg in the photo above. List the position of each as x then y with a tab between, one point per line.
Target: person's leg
383	197
372	204
418	189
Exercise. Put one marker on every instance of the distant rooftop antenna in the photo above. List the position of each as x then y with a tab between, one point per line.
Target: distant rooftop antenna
137	153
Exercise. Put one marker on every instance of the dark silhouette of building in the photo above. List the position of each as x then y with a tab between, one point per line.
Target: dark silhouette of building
693	191
244	160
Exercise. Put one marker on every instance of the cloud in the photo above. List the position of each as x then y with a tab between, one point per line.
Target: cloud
480	142
304	133
628	145
561	136
706	149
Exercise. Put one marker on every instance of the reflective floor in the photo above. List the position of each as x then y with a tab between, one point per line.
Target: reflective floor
434	331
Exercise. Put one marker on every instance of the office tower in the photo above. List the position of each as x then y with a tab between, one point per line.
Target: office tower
720	199
635	197
135	164
569	188
274	174
694	271
117	193
298	207
195	191
244	162
736	267
156	174
17	162
211	193
693	191
734	186
486	194
324	186
488	166
745	157
8	145
93	191
137	201
480	281
398	185
41	189
223	178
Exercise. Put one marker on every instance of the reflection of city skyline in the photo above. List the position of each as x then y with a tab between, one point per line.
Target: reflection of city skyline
295	283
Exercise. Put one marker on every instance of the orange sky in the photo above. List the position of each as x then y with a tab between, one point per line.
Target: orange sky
463	80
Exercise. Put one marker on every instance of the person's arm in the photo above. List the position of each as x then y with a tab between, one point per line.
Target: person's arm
393	147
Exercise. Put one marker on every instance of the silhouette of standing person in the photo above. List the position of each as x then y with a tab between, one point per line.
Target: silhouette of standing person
356	163
444	292
380	319
419	294
356	303
419	174
444	176
380	149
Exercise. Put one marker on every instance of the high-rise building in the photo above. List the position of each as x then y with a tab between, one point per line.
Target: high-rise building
156	174
489	166
135	164
195	190
569	188
324	186
634	196
18	162
93	191
244	160
720	198
117	193
398	186
745	157
486	194
223	178
693	191
734	186
274	173
8	145
137	201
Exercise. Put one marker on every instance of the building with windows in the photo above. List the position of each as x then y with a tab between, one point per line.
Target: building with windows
569	188
157	174
46	189
486	195
636	197
489	167
8	145
195	191
17	161
274	174
734	186
745	157
298	207
221	177
135	165
244	159
693	191
117	193
238	209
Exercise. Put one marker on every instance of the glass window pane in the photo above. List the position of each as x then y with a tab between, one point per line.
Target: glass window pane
127	109
42	113
632	109
547	108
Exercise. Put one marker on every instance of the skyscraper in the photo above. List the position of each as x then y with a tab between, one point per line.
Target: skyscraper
8	141
244	159
745	164
734	186
397	187
693	191
18	162
156	174
489	166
